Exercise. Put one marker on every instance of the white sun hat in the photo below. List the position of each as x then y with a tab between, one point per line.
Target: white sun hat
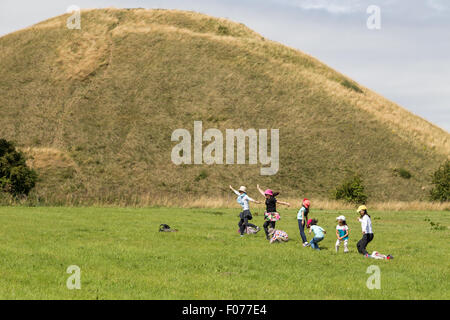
243	189
341	218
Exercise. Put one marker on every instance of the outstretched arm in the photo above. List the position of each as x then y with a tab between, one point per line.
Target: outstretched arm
252	200
234	190
284	203
260	190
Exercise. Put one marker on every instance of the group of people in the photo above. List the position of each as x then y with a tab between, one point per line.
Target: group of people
271	216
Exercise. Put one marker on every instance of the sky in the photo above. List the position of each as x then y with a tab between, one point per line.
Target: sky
407	59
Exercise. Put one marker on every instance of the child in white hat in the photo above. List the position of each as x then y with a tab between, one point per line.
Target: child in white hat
245	216
342	232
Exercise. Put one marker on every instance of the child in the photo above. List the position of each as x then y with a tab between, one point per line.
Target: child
366	226
243	199
278	236
342	232
271	215
302	217
319	233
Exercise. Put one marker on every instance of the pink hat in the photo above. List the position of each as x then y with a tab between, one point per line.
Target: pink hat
308	224
306	203
269	192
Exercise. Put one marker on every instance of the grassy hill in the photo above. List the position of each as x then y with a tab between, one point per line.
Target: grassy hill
95	109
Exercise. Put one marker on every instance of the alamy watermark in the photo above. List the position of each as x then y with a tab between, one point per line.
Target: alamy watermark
374	281
236	139
374	20
74	21
74	281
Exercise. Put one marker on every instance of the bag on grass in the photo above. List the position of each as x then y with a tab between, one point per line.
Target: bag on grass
166	228
379	256
251	230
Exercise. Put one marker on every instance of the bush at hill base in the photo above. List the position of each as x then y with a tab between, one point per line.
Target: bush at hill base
441	182
15	176
352	191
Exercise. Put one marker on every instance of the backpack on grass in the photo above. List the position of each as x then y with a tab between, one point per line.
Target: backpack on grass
249	230
166	228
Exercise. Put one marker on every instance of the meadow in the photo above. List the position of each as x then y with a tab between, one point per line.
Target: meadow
122	255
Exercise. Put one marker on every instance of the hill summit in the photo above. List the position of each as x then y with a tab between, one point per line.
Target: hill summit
95	109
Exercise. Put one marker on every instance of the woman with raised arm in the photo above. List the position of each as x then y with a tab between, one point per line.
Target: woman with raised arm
271	215
243	199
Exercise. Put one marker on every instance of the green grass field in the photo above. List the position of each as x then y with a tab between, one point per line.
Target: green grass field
122	256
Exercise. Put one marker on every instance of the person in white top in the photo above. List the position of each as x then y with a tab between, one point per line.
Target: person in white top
366	226
243	199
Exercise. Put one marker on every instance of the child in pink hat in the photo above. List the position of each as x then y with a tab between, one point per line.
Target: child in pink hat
271	215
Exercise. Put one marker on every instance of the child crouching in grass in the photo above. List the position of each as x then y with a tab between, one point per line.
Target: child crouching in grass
319	233
278	236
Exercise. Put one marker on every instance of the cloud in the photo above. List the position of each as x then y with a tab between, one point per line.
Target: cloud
351	6
331	6
438	5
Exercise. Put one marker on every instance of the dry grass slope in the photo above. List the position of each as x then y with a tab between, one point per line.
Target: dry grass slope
108	97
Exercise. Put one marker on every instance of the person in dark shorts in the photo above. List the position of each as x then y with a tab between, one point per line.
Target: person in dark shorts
243	199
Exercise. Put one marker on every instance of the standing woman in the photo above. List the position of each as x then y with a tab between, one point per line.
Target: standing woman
302	218
243	199
271	215
366	226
